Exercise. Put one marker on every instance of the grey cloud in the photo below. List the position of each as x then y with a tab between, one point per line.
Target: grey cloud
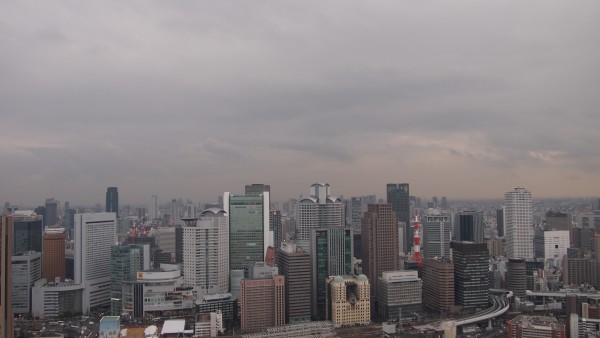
150	95
320	149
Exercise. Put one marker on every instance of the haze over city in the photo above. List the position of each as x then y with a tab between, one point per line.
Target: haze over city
191	99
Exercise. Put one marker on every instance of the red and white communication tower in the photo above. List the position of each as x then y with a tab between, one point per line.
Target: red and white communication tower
417	242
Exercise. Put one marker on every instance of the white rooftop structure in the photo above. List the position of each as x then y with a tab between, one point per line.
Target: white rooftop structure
24	213
151	332
173	326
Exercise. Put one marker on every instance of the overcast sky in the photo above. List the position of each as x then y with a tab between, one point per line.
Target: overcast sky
465	99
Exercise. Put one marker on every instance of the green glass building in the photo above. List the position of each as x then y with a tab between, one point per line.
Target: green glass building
332	251
249	235
126	261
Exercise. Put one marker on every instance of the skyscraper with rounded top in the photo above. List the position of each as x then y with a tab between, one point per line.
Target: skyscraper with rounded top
319	210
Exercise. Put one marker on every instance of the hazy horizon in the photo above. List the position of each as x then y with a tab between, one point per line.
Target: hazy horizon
191	99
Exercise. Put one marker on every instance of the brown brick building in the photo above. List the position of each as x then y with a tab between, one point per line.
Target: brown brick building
379	247
54	254
262	303
438	284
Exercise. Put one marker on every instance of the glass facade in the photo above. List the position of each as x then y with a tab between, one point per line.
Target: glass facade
332	255
27	234
471	278
246	231
126	261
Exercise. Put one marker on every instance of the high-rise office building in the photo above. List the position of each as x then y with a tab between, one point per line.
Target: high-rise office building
179	244
40	210
318	210
153	211
112	200
294	265
6	314
262	303
206	252
556	220
69	222
175	212
95	233
53	268
437	230
276	225
51	212
578	270
249	235
331	255
191	210
166	240
160	257
500	222
444	203
468	226
551	245
591	221
379	236
518	220
356	214
26	270
438	284
398	196
27	231
471	266
257	189
126	261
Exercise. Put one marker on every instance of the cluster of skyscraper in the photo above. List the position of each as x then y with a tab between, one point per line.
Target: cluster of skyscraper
306	264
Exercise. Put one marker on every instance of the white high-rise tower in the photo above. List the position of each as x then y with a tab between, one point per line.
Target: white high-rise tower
94	235
206	252
153	208
518	223
319	210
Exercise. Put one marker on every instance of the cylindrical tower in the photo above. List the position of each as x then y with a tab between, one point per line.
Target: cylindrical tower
516	280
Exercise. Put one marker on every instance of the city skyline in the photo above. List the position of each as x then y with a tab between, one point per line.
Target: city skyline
466	100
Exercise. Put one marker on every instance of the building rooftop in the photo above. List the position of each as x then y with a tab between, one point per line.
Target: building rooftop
24	213
538	322
217	296
151	330
173	326
54	230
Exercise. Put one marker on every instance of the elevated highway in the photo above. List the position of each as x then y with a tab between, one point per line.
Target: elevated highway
500	304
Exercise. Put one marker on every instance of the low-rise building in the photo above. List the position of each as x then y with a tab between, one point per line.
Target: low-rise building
156	292
56	299
110	327
535	326
202	327
209	324
224	303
